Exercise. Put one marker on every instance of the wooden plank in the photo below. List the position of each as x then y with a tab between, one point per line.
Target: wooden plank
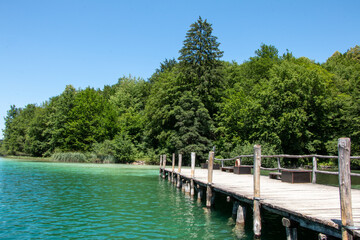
314	203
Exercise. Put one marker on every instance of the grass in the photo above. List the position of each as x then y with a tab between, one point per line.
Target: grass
38	159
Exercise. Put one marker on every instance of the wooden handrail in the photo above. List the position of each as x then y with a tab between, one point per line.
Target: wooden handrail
285	156
316	156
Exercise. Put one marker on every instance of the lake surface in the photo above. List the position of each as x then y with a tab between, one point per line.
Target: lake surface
46	200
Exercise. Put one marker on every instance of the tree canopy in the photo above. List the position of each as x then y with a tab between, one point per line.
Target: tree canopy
290	105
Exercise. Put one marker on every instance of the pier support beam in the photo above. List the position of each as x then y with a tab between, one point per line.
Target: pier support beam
178	184
192	190
173	168
164	165
322	236
160	165
344	147
291	229
187	187
234	209
209	193
256	215
200	193
239	213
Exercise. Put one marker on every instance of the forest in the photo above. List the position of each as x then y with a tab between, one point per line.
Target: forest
198	101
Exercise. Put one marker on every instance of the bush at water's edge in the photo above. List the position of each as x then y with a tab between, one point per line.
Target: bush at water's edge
81	157
97	158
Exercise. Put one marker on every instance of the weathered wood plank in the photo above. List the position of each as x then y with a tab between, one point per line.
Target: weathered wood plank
316	204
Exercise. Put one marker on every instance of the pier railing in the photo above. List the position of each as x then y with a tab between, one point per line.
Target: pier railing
344	174
314	157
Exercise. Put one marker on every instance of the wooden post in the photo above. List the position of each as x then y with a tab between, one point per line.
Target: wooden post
183	185
278	165
187	187
192	190
235	208
314	169
164	165
169	176
322	236
199	193
178	185
291	229
174	180
210	177
344	148
237	162
257	216
173	168
241	215
160	164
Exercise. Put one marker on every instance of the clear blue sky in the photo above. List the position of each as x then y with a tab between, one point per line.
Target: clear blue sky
47	44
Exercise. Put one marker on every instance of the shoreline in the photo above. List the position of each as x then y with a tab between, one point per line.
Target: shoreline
39	159
44	159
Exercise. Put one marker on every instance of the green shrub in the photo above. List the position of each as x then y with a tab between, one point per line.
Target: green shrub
124	149
109	159
152	158
104	151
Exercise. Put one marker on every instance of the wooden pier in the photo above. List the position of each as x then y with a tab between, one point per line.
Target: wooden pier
313	206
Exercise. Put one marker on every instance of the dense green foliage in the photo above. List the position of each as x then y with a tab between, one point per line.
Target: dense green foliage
290	105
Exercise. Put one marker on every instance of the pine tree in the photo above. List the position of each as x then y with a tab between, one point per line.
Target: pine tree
201	65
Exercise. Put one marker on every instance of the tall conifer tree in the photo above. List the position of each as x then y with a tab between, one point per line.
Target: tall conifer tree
201	65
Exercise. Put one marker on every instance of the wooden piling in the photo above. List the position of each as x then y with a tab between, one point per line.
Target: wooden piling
169	174
213	194
187	187
314	169
256	215
240	215
178	185
175	179
208	195
210	177
322	236
164	165
192	190
199	193
344	148
160	165
234	209
291	229
173	168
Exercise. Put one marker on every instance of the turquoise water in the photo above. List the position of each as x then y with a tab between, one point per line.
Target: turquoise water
44	200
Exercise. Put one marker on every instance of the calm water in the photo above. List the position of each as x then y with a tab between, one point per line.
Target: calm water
40	200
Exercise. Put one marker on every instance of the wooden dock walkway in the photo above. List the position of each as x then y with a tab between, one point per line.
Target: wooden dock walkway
313	206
